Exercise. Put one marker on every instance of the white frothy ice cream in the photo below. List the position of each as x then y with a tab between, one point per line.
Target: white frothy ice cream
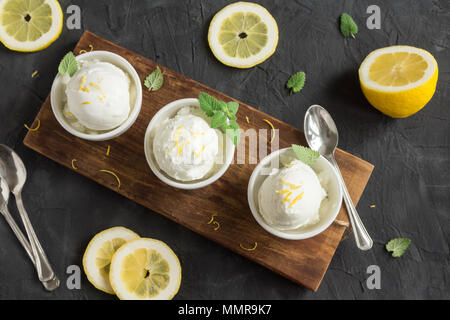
185	146
290	197
98	97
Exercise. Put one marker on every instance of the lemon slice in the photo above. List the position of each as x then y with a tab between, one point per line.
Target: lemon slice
399	80
243	34
145	269
97	257
29	25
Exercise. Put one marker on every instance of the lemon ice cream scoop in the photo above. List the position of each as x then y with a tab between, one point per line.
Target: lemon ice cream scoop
98	96
290	197
185	146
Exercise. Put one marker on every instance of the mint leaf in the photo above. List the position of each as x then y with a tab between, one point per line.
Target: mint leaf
219	119
233	107
398	246
154	80
208	104
305	155
233	131
222	115
296	82
68	64
348	26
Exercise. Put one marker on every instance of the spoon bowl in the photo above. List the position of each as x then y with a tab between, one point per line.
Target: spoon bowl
320	130
12	169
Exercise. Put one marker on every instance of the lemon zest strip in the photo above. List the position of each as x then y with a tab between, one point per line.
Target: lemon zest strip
218	225
290	165
34	73
249	249
282	191
113	174
108	150
73	164
287	197
87	102
373	206
212	218
291	185
91	47
246	118
299	197
197	154
82	51
95	85
34	129
273	129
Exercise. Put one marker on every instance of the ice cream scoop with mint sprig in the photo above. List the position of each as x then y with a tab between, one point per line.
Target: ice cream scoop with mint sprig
188	145
291	196
97	93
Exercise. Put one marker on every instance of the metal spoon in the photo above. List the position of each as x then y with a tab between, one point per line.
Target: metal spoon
14	173
322	135
50	285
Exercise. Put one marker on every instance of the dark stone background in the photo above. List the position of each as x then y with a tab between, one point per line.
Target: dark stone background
410	185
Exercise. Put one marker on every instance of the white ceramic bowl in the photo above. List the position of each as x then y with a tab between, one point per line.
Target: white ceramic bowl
328	210
169	111
57	96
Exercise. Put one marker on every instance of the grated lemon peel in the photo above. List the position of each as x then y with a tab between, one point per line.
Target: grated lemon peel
73	164
373	206
271	126
34	129
114	175
212	218
91	47
108	150
217	225
247	119
34	73
249	249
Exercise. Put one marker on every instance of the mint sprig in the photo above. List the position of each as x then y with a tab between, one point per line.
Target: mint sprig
305	155
296	82
68	64
398	246
154	80
222	114
348	26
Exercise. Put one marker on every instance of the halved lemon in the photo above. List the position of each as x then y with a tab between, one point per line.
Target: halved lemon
145	269
99	252
243	34
398	80
29	25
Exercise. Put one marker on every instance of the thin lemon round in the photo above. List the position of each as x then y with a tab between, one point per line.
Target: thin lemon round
243	34
145	269
99	252
30	25
398	80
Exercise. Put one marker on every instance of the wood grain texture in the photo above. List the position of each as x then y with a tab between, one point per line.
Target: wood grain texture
304	261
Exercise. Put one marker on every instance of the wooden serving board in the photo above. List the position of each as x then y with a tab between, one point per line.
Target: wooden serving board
303	261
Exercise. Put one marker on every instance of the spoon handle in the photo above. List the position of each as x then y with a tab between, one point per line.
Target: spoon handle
362	237
43	267
20	236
